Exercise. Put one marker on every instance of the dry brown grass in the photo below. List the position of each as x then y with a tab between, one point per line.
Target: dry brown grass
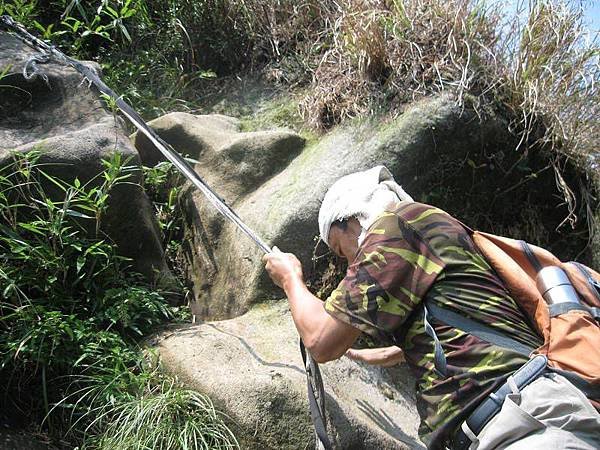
392	52
549	80
396	51
552	71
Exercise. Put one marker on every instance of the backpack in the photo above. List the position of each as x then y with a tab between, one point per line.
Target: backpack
570	330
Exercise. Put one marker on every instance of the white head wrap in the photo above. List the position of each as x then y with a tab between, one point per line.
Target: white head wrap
364	195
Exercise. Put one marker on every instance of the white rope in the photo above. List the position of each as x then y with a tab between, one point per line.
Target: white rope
31	70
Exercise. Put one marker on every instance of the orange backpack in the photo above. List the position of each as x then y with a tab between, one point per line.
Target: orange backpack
570	330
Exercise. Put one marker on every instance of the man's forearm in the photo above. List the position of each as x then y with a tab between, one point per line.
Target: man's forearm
325	337
307	310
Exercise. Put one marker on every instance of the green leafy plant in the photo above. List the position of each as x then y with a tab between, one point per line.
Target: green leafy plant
3	73
163	184
24	11
72	310
150	411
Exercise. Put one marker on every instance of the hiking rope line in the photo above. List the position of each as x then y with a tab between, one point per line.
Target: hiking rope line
316	393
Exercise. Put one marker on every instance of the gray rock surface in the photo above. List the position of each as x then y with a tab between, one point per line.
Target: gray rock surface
277	189
251	368
235	164
231	161
67	122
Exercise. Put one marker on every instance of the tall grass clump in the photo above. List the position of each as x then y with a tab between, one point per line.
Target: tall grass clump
549	80
388	53
71	316
551	76
543	67
161	415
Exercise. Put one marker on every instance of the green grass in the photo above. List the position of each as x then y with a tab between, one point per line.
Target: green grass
164	417
143	410
278	112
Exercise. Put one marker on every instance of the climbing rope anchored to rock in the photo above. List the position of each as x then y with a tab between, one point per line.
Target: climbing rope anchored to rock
48	53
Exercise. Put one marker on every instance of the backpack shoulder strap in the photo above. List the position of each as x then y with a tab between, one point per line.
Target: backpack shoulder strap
483	332
533	260
496	337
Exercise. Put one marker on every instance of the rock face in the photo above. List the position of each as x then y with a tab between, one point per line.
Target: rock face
235	164
251	368
66	121
278	193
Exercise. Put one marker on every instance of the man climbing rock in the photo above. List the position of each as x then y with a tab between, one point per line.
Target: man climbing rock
402	256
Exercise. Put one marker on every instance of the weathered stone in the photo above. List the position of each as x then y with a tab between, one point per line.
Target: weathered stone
226	267
66	121
235	164
251	368
231	161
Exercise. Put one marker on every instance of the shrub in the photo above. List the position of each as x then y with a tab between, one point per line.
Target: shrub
549	81
72	312
396	51
157	415
163	184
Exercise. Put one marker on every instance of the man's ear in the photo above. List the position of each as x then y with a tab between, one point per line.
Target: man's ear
385	174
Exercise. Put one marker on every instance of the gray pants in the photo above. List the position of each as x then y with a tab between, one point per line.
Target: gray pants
548	414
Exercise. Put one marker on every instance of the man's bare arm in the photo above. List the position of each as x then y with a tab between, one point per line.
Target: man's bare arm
324	336
383	356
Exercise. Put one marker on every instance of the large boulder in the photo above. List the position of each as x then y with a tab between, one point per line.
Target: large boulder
65	120
278	193
235	164
251	368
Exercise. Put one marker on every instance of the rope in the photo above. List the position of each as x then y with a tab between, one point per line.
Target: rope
32	71
51	53
166	149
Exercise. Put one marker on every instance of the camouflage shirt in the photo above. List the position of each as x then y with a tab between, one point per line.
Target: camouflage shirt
418	253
